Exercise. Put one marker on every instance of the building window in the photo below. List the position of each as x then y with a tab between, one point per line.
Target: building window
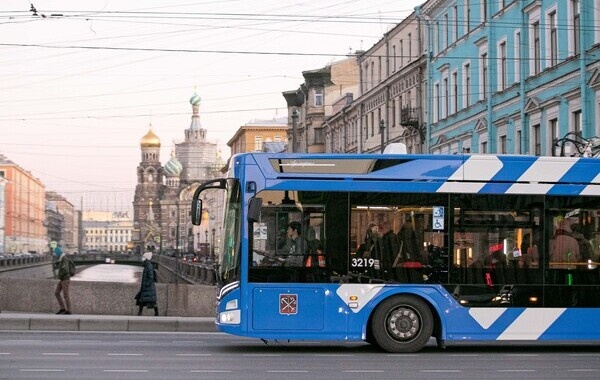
466	85
517	56
519	146
577	122
318	96
436	105
319	136
553	39
483	10
258	143
394	57
393	115
409	46
502	70
445	109
537	140
503	144
454	92
553	126
446	31
537	52
402	53
456	23
576	21
467	16
484	149
483	76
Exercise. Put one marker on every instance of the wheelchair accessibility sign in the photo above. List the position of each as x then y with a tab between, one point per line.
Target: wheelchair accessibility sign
437	220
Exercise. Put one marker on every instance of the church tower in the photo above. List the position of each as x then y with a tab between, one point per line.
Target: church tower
197	155
148	192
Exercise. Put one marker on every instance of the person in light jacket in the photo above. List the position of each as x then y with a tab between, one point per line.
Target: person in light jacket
146	297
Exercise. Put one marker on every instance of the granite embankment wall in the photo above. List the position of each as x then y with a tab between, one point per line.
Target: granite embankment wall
31	289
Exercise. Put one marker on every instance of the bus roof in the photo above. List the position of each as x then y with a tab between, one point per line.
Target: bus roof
472	173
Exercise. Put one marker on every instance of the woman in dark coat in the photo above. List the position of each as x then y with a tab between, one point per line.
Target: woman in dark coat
146	297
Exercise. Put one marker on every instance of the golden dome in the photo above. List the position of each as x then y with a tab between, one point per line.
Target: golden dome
150	140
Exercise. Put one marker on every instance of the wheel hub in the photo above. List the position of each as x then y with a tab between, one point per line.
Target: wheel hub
403	324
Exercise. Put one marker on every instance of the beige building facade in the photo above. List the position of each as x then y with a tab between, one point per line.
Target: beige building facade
257	134
24	210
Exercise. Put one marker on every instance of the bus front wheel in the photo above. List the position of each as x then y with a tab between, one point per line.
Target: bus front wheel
402	324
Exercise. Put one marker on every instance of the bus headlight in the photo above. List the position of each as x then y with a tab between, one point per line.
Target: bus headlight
230	317
233	304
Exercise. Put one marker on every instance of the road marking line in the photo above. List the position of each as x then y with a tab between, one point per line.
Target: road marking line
583	370
124	354
193	354
5	353
209	371
286	371
60	353
441	370
40	370
515	370
363	371
335	355
262	355
127	370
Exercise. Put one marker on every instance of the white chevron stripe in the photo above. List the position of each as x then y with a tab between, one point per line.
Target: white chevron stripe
479	168
529	188
364	292
592	189
486	316
542	170
531	324
547	170
460	187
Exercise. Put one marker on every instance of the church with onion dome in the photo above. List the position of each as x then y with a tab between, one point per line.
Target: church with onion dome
162	200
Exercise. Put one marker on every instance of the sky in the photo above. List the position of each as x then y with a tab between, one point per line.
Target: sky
81	82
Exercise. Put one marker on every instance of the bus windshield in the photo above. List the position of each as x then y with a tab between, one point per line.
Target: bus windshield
229	270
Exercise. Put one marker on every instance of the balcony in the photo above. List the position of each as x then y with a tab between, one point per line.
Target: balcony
409	117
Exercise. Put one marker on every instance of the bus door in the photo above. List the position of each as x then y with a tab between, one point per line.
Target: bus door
284	263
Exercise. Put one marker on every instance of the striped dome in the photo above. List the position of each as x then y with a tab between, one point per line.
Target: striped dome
173	167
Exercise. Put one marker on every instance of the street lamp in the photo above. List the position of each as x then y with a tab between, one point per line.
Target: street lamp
212	245
382	132
294	121
206	241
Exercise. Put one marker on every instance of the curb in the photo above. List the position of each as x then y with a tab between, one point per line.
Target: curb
50	322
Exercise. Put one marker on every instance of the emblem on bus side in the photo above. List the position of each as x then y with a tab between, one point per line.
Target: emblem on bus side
288	304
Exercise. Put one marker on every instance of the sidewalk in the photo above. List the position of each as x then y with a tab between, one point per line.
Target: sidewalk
12	321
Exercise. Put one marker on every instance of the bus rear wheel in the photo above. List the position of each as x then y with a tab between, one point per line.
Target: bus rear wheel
402	324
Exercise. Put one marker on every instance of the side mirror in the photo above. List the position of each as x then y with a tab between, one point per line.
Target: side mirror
196	212
254	210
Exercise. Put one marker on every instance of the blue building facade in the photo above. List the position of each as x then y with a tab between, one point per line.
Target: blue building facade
510	76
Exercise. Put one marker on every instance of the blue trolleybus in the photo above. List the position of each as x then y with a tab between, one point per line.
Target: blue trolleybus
396	249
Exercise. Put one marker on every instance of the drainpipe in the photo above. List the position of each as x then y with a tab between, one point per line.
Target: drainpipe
586	128
523	67
491	73
429	74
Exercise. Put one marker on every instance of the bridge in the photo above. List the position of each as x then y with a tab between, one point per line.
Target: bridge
184	289
170	270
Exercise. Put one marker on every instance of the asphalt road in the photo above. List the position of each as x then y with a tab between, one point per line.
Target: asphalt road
158	355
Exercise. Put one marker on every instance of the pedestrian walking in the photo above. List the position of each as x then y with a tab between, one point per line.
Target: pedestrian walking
146	297
64	280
